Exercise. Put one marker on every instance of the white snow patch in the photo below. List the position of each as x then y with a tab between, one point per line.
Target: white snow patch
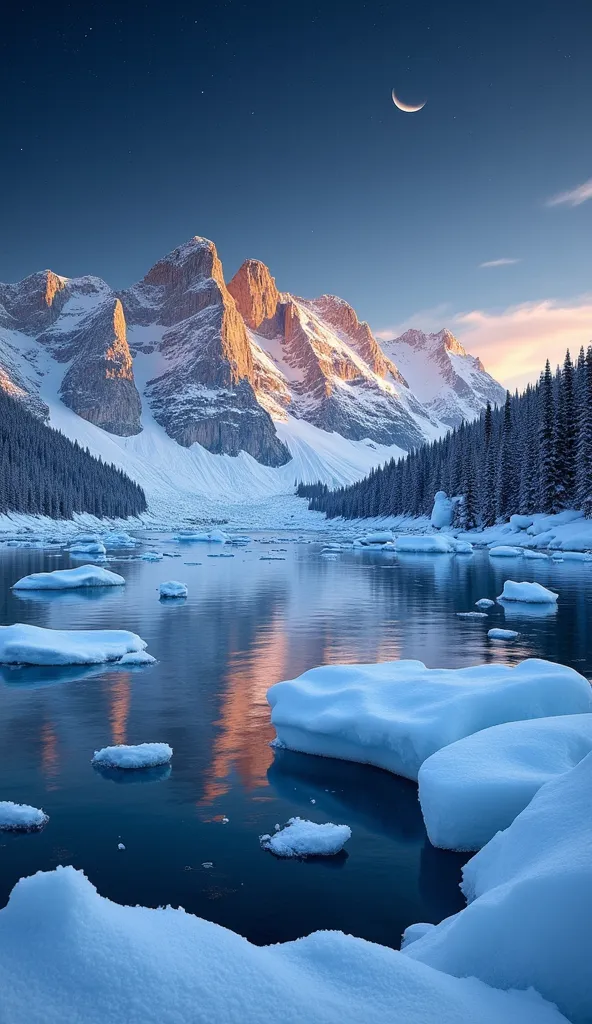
301	838
140	755
21	817
172	588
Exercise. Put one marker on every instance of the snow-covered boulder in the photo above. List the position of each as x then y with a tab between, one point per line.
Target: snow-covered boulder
21	817
442	510
145	966
521	522
529	593
396	714
32	645
425	544
504	551
66	579
172	588
140	755
502	634
301	838
484	602
530	903
471	789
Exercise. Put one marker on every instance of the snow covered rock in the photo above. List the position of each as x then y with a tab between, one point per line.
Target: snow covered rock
140	755
32	645
461	547
426	544
530	593
301	838
65	579
396	714
504	551
172	588
21	817
519	522
146	966
472	615
442	510
530	901
484	602
475	787
502	634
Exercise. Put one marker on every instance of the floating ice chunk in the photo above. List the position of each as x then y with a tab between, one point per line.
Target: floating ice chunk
571	556
301	838
88	546
65	579
152	556
148	966
212	537
172	588
504	551
484	602
502	634
531	593
137	658
33	645
442	510
461	547
21	817
472	615
378	537
473	788
396	714
142	755
530	903
531	553
119	539
120	846
432	544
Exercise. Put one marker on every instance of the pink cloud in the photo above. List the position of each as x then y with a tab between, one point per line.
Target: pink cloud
573	197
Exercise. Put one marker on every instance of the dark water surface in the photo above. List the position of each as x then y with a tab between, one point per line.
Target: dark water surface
246	624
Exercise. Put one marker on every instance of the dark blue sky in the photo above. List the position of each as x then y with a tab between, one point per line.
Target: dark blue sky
269	128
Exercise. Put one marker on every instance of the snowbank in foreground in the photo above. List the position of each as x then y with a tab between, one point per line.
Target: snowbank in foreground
140	755
172	588
473	788
530	903
300	838
68	954
396	714
21	817
64	579
33	645
529	593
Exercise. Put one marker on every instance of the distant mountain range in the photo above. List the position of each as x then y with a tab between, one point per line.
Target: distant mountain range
183	359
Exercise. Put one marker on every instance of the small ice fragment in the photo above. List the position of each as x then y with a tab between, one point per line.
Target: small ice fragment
120	846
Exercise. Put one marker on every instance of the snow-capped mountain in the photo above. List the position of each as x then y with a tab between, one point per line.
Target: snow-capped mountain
450	383
194	386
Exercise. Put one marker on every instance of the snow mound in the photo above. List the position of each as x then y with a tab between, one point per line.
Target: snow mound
172	588
461	547
137	658
146	966
502	634
414	932
435	544
484	602
142	755
530	902
301	838
21	817
396	714
65	579
504	551
152	556
519	522
33	645
442	510
473	788
531	593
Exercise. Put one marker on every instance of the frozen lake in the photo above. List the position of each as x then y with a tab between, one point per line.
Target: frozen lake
272	611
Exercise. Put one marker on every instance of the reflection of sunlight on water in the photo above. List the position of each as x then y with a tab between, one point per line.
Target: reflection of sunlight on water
245	731
50	761
120	700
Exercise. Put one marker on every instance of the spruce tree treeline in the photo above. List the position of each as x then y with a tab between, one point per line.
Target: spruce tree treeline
534	454
43	472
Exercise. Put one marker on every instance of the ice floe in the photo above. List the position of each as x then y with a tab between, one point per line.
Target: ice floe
527	593
140	755
172	588
502	634
33	645
301	838
504	551
21	817
152	556
484	602
137	658
426	544
471	789
66	579
396	714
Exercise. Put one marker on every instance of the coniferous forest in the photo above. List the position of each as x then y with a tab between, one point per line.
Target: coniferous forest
534	454
43	472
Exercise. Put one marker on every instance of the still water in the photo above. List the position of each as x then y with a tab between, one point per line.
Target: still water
272	611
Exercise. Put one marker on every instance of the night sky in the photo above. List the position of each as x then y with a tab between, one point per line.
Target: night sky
269	127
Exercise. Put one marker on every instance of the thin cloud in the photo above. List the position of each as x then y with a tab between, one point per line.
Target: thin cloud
574	197
505	261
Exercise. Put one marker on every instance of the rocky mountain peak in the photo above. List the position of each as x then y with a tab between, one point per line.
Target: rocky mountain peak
32	301
451	344
255	293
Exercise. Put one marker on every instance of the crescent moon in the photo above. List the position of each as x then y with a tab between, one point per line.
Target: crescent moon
407	106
